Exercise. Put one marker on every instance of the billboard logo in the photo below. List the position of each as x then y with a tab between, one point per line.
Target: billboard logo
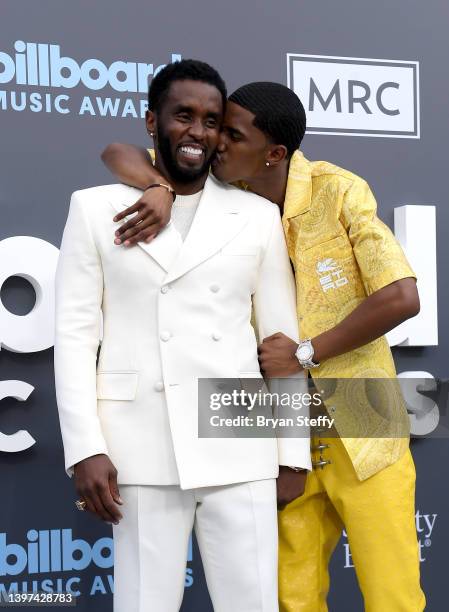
49	73
53	550
43	64
355	96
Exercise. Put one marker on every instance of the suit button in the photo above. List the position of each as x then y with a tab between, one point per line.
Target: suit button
159	385
215	288
216	336
164	289
165	336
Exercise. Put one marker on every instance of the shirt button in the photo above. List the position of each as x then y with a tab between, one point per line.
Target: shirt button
165	336
215	288
216	336
164	289
159	385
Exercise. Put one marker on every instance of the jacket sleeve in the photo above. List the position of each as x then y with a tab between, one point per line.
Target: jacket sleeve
79	289
379	255
274	303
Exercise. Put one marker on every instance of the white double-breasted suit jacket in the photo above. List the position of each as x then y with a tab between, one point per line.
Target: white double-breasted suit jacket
171	312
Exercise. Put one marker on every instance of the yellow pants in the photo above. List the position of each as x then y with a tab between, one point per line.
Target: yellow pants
378	515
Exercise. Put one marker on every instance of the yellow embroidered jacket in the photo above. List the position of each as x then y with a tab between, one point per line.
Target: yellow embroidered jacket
341	253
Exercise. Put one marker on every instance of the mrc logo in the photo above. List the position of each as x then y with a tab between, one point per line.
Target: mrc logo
356	96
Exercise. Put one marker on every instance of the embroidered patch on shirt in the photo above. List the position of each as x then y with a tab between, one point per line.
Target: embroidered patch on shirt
332	280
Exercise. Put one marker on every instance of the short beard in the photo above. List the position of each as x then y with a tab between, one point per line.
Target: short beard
179	175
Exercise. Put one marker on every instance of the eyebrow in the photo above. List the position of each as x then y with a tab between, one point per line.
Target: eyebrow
184	108
213	115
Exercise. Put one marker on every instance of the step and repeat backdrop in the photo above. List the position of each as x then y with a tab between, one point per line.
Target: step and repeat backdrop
73	78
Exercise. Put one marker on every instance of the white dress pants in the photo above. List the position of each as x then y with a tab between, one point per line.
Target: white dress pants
236	530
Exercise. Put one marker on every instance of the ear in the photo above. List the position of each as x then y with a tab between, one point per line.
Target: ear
276	154
150	120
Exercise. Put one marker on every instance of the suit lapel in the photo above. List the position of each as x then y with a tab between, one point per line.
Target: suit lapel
217	221
165	247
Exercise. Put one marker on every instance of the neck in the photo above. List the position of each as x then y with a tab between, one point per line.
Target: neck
272	185
182	188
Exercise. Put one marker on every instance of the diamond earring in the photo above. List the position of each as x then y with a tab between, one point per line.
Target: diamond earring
267	163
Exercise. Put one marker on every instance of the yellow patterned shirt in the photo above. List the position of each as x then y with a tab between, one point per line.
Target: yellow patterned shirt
342	253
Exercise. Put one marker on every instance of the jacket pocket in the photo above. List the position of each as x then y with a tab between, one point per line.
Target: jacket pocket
341	241
117	385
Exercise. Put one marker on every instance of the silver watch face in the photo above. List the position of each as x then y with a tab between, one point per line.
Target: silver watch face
305	352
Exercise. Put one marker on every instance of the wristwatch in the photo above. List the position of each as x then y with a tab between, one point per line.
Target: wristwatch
304	354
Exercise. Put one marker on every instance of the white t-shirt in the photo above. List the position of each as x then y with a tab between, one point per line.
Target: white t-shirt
183	212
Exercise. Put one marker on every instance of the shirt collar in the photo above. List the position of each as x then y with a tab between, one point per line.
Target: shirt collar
299	186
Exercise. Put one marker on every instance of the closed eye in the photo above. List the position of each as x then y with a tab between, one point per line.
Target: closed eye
184	117
233	134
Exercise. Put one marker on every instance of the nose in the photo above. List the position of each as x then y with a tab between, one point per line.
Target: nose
222	143
197	130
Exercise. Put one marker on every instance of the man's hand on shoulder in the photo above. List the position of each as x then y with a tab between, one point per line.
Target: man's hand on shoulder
96	484
153	213
290	485
277	356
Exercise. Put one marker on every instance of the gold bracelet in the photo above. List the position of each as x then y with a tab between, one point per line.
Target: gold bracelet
167	187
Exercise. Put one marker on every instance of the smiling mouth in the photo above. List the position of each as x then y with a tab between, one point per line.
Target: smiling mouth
191	152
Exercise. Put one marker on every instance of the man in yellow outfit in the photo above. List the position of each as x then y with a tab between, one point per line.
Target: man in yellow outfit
365	485
354	284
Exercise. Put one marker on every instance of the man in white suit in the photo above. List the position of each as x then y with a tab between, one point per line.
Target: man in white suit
175	310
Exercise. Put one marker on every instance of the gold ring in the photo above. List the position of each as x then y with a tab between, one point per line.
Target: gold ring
80	504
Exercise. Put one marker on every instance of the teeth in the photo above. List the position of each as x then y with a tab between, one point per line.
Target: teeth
191	150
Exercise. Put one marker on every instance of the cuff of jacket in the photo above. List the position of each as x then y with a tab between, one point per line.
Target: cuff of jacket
85	454
295	452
